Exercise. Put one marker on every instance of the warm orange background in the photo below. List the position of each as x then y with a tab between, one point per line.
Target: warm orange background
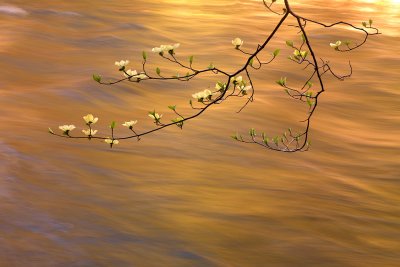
194	197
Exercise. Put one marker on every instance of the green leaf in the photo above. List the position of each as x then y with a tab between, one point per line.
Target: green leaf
266	140
309	84
370	22
97	78
252	132
303	38
289	43
158	71
191	60
172	107
364	24
112	126
276	52
211	66
275	140
144	54
251	61
282	81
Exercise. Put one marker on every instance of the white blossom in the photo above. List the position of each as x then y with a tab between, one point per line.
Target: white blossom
122	63
336	45
130	73
155	116
237	42
90	119
67	128
129	124
157	49
171	47
245	88
141	76
111	141
202	95
298	53
165	48
89	132
238	79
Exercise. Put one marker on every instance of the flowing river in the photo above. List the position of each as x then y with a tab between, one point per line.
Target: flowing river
195	197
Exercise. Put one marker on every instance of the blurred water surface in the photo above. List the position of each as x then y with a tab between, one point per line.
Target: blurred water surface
194	197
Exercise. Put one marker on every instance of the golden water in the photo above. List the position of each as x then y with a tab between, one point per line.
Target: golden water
194	197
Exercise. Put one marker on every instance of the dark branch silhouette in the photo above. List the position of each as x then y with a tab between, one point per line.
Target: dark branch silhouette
237	86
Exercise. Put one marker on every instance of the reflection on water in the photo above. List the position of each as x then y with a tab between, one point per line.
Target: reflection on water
193	197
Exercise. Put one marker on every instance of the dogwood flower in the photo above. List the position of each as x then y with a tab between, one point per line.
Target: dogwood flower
237	79
336	45
200	96
171	47
243	89
155	116
301	54
130	73
111	141
220	86
89	132
237	42
141	76
165	48
90	119
66	128
129	124
157	49
207	93
122	63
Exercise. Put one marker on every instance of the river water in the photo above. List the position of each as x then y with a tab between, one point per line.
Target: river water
194	197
